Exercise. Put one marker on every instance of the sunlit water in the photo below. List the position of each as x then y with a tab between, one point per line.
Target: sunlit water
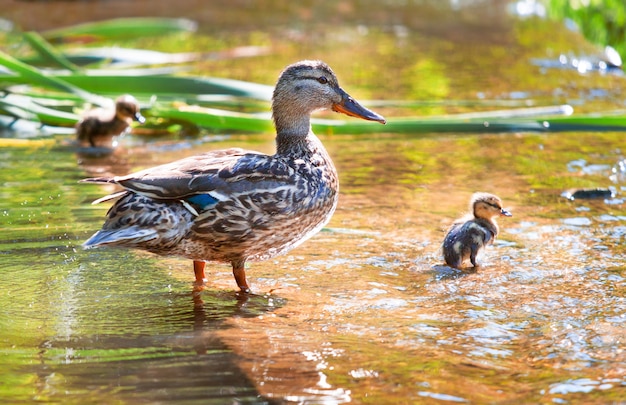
364	312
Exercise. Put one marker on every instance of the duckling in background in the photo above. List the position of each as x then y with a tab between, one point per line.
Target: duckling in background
474	231
236	205
98	127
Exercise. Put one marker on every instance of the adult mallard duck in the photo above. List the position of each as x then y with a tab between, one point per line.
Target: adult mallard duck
236	205
474	231
99	126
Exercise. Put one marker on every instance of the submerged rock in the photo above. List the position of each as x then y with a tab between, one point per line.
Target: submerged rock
588	193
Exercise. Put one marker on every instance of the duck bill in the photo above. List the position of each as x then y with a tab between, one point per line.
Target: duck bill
505	213
139	118
350	107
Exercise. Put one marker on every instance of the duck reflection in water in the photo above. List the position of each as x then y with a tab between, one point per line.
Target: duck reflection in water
469	234
235	205
100	127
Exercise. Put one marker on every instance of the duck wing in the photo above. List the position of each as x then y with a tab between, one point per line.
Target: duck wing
218	173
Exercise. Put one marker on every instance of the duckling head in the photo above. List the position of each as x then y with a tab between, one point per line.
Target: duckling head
127	107
488	206
307	86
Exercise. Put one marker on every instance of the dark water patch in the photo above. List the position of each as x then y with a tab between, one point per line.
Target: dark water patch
145	375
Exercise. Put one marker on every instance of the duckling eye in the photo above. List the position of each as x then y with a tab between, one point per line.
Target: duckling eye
322	80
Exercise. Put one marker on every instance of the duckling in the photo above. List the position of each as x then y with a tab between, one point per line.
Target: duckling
474	231
98	126
237	205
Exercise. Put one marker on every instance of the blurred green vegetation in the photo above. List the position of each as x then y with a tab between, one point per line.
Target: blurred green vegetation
176	92
603	22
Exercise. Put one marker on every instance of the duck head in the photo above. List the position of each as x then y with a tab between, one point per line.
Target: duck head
308	86
127	107
488	206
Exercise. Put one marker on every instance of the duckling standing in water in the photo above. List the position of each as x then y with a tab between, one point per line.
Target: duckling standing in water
98	127
474	231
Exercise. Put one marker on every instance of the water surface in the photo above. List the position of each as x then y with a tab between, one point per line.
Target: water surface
364	312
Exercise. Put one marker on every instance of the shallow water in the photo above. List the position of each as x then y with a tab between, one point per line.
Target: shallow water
364	312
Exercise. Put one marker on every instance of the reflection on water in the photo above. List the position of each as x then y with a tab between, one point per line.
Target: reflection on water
80	337
364	312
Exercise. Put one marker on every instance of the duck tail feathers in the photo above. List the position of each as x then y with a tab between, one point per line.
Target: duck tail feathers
98	180
110	197
129	237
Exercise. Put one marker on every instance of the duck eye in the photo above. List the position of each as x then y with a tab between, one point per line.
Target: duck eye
322	80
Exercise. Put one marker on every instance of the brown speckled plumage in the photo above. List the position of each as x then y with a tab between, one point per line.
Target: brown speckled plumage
235	205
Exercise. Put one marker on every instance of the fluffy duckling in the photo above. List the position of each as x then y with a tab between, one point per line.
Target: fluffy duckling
236	205
474	231
98	126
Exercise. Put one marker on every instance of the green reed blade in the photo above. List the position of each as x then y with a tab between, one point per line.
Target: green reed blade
171	86
616	120
452	124
46	97
34	111
29	75
213	118
139	85
421	126
120	57
484	122
12	110
47	52
121	28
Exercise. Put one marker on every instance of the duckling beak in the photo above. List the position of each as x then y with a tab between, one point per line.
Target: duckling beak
139	118
505	213
349	106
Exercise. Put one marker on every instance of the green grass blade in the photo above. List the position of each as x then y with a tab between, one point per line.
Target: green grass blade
582	122
47	52
484	122
41	96
125	57
227	120
218	93
462	125
34	111
12	110
213	118
121	28
30	75
421	126
167	86
137	83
